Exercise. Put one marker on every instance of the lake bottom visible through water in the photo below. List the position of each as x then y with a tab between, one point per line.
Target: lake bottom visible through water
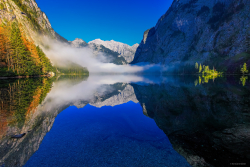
106	136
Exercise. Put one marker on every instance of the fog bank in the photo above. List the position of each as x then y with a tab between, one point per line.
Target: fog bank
62	54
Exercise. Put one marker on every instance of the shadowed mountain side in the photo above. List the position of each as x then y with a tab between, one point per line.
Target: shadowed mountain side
207	124
212	32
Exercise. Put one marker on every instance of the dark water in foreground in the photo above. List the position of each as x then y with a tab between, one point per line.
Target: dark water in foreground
107	136
125	121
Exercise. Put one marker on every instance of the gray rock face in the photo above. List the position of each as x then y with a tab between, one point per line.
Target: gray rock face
124	50
33	22
197	31
109	55
117	52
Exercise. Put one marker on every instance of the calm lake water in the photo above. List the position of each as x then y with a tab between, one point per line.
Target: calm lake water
125	120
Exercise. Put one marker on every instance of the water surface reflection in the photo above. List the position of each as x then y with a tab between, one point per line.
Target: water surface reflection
208	124
107	136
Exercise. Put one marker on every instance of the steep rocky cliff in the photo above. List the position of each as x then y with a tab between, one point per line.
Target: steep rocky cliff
214	32
30	17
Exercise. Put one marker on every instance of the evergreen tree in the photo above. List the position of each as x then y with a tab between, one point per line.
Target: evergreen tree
19	56
46	64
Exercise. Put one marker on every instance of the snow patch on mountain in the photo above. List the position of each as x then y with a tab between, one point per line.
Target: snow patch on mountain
126	51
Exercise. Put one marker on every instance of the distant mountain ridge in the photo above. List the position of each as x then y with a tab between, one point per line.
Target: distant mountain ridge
111	56
124	50
78	43
117	52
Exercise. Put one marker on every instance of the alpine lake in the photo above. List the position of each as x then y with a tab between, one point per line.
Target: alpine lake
125	120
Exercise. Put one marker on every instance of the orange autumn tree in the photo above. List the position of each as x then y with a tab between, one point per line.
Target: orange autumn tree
5	47
2	44
32	48
20	56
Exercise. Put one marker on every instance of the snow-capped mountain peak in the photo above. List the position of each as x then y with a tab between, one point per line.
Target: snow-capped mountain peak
124	50
78	43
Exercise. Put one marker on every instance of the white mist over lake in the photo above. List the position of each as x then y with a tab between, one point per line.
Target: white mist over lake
62	54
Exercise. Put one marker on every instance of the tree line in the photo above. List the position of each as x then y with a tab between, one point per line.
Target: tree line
20	56
72	69
205	70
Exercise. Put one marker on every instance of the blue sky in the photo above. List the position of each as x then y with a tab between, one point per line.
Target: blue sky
123	21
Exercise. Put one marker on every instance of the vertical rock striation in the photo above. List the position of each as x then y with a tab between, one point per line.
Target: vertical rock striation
199	31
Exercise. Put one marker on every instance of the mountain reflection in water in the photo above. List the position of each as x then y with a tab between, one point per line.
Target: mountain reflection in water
207	124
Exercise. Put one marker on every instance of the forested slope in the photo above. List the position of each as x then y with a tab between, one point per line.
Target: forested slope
20	56
22	29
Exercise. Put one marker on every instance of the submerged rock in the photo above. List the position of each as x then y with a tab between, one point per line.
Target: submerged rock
18	136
